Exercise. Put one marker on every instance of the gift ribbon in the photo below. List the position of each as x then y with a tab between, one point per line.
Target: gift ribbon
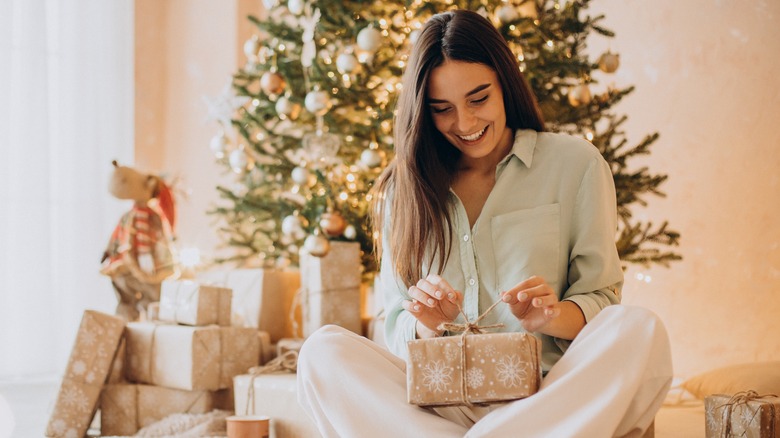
286	362
743	398
466	328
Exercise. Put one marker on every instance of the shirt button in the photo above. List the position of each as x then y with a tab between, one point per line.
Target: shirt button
472	282
465	237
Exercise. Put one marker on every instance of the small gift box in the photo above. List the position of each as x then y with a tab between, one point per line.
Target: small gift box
289	344
745	414
473	368
191	303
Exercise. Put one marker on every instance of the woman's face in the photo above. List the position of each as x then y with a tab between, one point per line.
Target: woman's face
467	106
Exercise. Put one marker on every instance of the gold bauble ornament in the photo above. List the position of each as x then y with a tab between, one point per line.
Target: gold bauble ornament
333	224
580	95
609	62
316	245
272	83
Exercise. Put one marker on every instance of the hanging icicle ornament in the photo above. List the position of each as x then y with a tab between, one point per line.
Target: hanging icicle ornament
332	224
316	245
609	62
580	95
308	23
219	144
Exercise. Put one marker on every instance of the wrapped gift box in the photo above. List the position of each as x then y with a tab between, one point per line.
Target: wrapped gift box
191	303
331	288
126	408
262	298
191	358
274	396
497	367
744	415
289	344
88	368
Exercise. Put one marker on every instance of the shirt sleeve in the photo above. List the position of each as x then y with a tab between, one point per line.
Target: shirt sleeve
595	275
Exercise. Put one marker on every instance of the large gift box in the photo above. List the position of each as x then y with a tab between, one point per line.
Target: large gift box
745	414
191	303
89	365
331	288
476	368
126	408
191	358
262	298
274	395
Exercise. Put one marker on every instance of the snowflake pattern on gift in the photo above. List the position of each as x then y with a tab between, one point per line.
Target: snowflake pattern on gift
71	433
416	356
87	338
79	367
452	351
712	420
748	416
58	426
475	377
492	394
436	376
511	372
490	351
90	377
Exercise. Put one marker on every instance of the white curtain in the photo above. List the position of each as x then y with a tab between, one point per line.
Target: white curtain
66	111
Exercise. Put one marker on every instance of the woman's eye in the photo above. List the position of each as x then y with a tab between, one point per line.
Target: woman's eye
480	100
439	110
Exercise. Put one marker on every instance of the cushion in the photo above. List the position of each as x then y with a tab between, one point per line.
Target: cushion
762	377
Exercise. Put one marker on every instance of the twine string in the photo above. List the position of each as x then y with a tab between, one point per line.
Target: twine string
743	398
286	362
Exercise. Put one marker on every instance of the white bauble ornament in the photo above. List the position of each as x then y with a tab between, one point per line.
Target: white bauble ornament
295	6
270	4
414	36
332	224
371	157
239	160
291	224
300	175
318	102
609	62
219	144
316	245
580	95
369	39
288	108
252	46
350	232
272	83
347	63
507	14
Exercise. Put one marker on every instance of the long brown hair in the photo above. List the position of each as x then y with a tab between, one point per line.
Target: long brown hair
420	176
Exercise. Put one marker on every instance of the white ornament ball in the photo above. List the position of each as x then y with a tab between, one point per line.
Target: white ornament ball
219	144
295	6
580	95
347	63
316	245
293	227
507	14
270	4
414	36
239	161
318	102
371	157
369	39
350	232
300	175
272	83
609	62
288	108
252	46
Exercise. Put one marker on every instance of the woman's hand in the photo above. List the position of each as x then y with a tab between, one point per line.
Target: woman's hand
433	302
533	302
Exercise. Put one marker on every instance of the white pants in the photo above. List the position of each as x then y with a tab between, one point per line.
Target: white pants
610	382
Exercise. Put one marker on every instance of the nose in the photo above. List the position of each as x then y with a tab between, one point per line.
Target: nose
466	121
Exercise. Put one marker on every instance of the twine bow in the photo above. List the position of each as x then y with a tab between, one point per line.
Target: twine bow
466	328
286	362
743	398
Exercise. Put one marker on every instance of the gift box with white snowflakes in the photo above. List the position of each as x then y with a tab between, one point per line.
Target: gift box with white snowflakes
126	408
88	367
746	414
473	369
191	303
191	358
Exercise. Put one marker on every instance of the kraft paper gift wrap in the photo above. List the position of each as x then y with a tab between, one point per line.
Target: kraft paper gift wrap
191	358
191	303
90	362
126	408
498	367
745	414
331	288
262	298
275	396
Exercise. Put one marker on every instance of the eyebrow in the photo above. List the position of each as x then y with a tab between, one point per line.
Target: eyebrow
474	91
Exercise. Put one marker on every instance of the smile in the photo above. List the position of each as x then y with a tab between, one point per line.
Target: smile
473	137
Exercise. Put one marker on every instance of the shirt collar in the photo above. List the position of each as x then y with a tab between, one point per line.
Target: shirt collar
522	148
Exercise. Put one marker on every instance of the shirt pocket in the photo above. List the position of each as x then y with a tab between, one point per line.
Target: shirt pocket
526	243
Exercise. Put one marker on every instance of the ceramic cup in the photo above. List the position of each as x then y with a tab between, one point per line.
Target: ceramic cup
247	426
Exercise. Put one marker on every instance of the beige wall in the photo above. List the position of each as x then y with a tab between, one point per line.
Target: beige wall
706	79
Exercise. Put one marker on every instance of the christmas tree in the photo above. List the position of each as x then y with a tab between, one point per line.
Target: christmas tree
307	123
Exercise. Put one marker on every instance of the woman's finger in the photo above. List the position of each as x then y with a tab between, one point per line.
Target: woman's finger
430	289
419	295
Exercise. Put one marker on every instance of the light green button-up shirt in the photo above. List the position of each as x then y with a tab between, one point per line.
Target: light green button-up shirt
552	213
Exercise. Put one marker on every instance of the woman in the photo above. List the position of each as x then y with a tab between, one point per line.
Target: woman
479	205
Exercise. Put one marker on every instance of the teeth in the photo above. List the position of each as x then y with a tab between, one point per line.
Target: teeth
473	136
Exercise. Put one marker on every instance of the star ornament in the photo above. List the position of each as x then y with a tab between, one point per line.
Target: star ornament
222	107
